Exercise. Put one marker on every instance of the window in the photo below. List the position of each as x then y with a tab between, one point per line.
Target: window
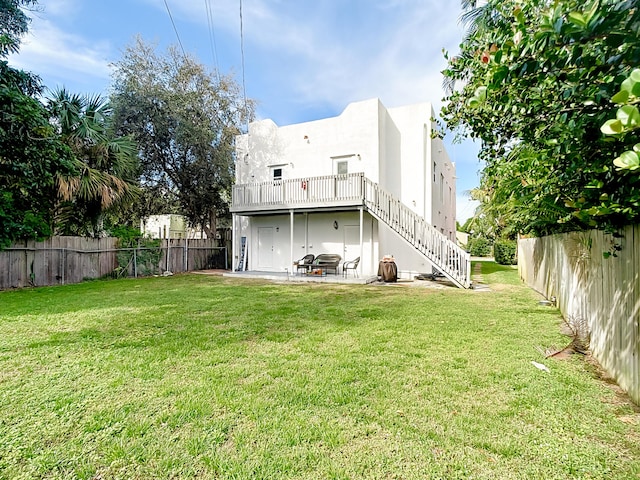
342	167
277	173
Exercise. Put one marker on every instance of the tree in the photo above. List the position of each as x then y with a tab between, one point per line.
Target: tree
14	23
534	82
106	165
627	120
184	120
31	158
31	155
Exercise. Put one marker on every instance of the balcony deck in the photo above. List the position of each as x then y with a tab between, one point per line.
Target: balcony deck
313	193
349	192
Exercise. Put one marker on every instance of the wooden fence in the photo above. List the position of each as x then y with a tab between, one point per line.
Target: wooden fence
64	260
603	291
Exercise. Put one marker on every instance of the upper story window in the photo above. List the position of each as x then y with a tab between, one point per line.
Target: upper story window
344	164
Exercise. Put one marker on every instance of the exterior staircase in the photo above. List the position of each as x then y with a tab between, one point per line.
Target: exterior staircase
446	256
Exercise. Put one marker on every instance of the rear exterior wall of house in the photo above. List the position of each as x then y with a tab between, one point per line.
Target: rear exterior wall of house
391	147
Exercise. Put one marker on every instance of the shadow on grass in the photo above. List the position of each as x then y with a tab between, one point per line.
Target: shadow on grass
492	273
492	267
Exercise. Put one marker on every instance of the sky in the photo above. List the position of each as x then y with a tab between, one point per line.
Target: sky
303	59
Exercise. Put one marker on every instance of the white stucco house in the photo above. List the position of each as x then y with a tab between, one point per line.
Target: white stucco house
367	183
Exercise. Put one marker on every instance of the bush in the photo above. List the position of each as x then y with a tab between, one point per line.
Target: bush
504	252
127	235
479	247
148	252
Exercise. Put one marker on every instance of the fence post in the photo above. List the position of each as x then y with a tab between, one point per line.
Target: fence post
186	254
135	259
168	250
25	275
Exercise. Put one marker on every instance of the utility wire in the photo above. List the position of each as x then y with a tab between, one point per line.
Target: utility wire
212	37
174	27
244	87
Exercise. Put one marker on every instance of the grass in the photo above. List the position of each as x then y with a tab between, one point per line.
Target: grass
208	377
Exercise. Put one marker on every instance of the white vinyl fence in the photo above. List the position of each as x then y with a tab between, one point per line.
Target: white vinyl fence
603	291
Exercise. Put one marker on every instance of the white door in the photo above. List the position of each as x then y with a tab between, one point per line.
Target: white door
265	247
351	242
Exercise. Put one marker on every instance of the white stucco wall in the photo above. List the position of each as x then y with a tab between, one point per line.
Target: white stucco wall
269	239
443	191
411	158
311	148
392	147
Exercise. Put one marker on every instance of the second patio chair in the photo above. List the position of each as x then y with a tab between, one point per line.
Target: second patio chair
351	265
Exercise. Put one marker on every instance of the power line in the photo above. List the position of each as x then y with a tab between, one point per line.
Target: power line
244	87
212	37
174	27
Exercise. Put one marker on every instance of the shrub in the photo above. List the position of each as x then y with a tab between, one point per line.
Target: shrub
136	252
127	235
504	252
479	247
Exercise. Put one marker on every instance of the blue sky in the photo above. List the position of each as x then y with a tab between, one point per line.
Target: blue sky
304	59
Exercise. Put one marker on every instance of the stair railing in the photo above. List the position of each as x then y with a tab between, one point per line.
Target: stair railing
445	255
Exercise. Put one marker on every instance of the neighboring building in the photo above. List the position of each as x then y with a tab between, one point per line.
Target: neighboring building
462	238
168	226
369	182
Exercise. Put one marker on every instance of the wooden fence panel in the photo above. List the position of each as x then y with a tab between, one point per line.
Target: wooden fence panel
63	260
603	291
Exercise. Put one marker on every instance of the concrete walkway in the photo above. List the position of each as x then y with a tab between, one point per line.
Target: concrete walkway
439	283
293	277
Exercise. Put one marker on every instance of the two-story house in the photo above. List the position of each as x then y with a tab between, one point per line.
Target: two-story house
372	181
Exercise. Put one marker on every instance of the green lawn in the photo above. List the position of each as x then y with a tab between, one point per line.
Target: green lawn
208	377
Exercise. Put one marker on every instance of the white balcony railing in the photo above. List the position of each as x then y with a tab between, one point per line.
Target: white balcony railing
299	192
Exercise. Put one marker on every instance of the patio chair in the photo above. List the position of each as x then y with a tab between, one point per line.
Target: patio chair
351	265
304	263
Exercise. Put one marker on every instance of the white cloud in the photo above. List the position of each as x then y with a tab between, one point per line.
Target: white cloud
58	8
333	53
51	52
225	14
397	58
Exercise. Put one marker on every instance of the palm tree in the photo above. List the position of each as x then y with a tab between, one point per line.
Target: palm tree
476	15
106	165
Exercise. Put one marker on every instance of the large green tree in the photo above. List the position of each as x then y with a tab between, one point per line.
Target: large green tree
184	119
32	156
533	81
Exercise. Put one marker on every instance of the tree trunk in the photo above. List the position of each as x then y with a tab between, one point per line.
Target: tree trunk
210	227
